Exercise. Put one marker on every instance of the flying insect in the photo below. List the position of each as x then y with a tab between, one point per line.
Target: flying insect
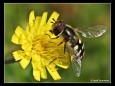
72	40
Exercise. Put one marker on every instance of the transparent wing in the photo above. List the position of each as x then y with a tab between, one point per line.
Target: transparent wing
76	65
94	31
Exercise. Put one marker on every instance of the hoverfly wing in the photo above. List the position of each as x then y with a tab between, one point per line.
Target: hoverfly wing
76	65
94	31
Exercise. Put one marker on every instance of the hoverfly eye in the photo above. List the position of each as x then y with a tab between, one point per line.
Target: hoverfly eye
56	31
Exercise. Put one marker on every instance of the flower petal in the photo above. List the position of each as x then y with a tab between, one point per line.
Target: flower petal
53	72
43	73
19	54
36	58
31	18
15	39
19	31
36	74
24	62
36	25
18	36
42	22
26	46
63	65
36	64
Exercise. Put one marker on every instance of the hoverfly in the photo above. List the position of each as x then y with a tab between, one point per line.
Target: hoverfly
73	41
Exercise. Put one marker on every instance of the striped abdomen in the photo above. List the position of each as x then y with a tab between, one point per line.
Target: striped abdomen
77	48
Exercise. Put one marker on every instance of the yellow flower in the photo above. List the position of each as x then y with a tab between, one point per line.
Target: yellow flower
37	47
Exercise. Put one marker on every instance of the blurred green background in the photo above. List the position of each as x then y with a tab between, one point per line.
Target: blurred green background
96	64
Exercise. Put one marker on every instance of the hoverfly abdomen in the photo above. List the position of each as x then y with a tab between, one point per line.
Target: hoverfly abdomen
78	48
80	53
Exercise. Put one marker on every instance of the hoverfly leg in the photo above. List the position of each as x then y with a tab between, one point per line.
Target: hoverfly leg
52	38
52	42
64	47
48	35
51	31
52	61
60	43
55	37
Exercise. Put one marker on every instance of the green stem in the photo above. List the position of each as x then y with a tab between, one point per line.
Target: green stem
10	60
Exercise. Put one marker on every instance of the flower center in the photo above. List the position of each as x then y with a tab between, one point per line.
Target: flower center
43	46
38	45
